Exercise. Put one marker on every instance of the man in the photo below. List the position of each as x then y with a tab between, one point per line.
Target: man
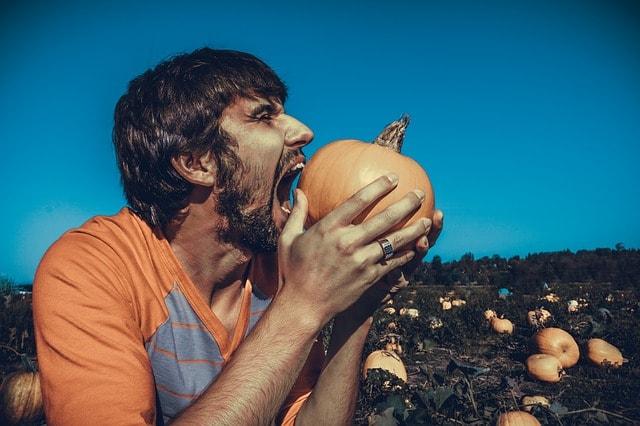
201	303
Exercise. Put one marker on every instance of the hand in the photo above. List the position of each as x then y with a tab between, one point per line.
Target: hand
398	278
326	268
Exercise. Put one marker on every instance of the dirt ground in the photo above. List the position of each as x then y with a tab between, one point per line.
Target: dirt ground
461	372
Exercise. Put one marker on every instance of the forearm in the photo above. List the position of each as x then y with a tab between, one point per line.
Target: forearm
335	394
254	384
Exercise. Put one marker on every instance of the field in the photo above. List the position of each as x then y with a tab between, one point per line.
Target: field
461	372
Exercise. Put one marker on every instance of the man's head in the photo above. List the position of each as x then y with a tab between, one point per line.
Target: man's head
177	109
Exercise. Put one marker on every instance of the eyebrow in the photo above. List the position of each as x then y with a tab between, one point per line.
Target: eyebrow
262	108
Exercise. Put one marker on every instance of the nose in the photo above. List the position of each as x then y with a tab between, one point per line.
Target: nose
297	134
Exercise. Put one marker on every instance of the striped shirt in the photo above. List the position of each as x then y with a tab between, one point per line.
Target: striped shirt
123	336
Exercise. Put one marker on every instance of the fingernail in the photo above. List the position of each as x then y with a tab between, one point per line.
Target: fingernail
427	223
424	242
419	194
393	178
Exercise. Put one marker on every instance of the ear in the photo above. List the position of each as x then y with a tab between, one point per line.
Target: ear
197	169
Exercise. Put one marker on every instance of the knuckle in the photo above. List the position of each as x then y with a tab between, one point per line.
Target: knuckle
345	245
360	262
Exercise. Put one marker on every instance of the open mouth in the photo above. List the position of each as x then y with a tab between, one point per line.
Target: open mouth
283	188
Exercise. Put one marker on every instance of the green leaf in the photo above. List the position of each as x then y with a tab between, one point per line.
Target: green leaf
468	370
558	408
383	419
441	395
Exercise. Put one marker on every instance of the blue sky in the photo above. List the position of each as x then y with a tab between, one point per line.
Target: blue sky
526	115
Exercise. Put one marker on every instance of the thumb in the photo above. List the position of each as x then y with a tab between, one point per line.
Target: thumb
297	218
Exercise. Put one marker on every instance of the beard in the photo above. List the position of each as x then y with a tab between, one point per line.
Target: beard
253	229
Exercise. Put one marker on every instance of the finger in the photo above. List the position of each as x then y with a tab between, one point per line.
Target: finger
436	228
400	259
373	251
346	212
388	218
297	218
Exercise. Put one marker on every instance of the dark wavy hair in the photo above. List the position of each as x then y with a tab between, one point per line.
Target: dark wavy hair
175	108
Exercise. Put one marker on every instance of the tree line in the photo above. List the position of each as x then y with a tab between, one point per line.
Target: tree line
618	266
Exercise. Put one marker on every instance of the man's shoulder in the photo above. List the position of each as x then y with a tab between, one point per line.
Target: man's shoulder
100	240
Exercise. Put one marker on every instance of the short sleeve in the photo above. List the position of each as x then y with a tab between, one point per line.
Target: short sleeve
93	364
303	386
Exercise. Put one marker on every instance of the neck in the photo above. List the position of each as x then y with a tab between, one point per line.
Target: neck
212	264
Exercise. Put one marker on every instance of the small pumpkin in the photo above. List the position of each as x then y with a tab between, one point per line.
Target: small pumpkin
410	312
600	352
488	314
446	305
517	418
530	401
572	306
501	325
393	345
21	398
544	367
538	317
386	360
559	343
340	169
458	302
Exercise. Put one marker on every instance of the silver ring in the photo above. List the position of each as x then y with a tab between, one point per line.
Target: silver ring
387	248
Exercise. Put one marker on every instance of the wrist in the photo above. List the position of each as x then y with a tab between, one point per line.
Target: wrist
293	313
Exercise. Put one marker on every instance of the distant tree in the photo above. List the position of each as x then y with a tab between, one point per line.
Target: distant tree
619	246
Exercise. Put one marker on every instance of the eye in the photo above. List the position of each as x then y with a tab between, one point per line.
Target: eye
265	117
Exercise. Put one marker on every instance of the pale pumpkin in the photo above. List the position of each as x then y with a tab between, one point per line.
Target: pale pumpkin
385	360
600	352
410	312
538	317
393	345
488	314
446	305
530	401
559	343
389	310
21	398
340	169
458	302
517	418
543	367
501	325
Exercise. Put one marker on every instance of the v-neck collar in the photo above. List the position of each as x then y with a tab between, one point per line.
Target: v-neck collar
227	344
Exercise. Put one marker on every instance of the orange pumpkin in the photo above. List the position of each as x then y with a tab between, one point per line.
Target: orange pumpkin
386	360
559	343
517	418
501	326
341	168
543	367
21	399
600	352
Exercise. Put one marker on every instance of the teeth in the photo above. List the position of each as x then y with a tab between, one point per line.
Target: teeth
286	210
298	166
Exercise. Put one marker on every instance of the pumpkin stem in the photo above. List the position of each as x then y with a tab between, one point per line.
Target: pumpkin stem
392	136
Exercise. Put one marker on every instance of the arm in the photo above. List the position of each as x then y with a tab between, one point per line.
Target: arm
253	386
334	397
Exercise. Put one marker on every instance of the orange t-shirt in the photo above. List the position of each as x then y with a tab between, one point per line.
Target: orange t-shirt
122	335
